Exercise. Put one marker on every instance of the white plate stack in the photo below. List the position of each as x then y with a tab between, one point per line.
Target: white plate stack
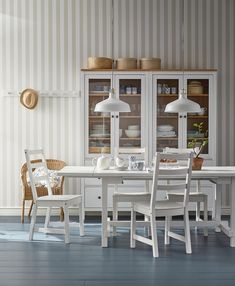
166	131
99	130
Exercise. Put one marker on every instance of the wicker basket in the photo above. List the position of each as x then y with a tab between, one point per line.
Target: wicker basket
195	87
126	63
150	63
99	63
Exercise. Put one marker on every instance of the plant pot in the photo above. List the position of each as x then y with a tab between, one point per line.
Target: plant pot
197	163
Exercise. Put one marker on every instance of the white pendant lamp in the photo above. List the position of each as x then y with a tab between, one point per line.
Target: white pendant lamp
183	104
112	104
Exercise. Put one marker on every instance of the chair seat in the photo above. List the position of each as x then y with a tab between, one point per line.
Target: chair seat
130	197
58	199
164	207
193	197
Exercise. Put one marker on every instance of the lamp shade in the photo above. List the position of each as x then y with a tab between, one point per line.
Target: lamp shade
112	104
182	104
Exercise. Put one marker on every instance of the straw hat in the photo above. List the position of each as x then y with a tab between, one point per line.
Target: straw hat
29	98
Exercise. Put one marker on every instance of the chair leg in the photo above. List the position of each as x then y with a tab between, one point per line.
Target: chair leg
66	225
154	235
81	218
33	221
167	228
187	233
30	209
61	214
198	211
47	219
22	211
205	215
133	228
115	215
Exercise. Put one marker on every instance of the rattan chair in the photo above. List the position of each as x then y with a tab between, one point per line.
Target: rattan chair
41	191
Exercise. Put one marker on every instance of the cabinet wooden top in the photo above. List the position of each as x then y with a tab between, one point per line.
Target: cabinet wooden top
151	70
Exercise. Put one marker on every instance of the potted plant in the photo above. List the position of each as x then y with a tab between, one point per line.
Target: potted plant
198	145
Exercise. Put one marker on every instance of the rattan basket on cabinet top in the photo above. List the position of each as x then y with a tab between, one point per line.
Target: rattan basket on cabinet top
126	63
99	63
150	63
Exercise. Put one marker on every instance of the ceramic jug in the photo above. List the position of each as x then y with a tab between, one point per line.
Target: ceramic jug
102	163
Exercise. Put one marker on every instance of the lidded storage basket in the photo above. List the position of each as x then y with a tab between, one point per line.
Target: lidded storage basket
99	63
195	87
126	63
150	63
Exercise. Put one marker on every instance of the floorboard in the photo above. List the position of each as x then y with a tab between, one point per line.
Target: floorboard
84	262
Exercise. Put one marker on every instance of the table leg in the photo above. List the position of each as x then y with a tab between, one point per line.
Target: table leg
218	201
232	216
104	213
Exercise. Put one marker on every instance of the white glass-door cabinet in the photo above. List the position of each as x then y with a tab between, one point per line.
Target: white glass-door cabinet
105	132
178	130
147	125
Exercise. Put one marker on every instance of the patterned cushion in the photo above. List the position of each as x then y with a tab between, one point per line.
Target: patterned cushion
53	178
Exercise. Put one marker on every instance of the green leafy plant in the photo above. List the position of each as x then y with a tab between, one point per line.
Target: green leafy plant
194	145
199	126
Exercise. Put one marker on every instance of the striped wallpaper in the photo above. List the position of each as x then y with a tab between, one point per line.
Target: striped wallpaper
44	43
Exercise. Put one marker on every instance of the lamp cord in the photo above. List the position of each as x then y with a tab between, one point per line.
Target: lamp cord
112	41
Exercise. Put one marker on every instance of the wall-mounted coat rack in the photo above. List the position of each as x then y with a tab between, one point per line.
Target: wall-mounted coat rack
44	93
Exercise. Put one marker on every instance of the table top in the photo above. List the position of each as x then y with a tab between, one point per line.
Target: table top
208	172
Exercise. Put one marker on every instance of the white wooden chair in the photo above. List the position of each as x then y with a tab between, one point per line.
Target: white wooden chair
129	196
152	208
197	196
49	201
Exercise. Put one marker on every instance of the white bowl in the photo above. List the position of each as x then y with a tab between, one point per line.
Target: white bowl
132	133
133	127
165	128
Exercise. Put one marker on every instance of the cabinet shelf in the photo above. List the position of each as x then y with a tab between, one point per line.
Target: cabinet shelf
99	138
129	94
130	138
168	116
98	94
167	94
98	117
166	138
197	94
130	116
197	116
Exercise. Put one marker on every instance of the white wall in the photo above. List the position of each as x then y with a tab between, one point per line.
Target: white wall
44	43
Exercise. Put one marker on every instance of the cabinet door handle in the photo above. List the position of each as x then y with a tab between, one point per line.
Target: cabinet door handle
99	197
112	116
185	116
181	116
117	116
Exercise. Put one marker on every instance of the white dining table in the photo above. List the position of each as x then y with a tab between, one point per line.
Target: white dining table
219	175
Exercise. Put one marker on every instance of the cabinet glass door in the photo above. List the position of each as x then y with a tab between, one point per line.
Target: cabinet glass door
130	91
167	128
198	123
99	123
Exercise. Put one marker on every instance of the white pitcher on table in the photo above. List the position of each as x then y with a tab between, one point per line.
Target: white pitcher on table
102	163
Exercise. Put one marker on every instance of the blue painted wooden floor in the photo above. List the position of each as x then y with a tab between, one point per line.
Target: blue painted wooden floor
84	262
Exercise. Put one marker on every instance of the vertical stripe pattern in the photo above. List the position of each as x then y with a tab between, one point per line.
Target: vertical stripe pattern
43	45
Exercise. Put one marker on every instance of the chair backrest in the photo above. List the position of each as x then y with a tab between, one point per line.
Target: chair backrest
135	151
36	159
179	150
183	173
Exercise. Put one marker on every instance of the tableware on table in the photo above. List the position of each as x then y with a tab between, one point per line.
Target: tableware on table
138	165
102	163
121	163
132	133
